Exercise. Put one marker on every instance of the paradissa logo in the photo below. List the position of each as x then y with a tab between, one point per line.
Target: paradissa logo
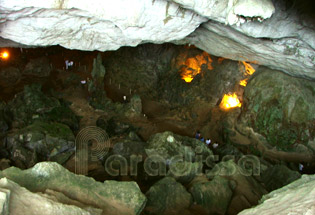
92	143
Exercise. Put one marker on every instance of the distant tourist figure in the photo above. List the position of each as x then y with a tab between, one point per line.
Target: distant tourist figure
69	64
215	145
202	139
197	136
301	166
208	141
124	97
83	84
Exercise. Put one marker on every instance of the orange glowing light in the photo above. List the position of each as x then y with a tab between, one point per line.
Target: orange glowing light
4	55
249	70
230	101
192	66
243	82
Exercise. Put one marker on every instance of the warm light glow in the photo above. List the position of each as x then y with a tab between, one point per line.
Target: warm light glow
4	55
243	82
230	101
192	66
249	70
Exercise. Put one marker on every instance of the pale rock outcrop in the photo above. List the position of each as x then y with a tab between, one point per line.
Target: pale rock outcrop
112	197
290	55
96	25
21	201
268	32
295	198
4	201
230	11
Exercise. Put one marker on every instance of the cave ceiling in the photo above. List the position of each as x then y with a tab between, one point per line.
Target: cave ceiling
277	34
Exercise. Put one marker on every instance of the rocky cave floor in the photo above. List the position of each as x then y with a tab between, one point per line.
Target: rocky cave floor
44	107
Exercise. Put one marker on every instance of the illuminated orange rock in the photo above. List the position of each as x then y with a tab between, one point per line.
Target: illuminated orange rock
192	66
230	101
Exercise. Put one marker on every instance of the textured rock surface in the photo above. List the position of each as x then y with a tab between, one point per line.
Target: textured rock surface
171	147
111	196
295	198
45	141
167	197
213	196
278	176
246	190
32	104
25	202
4	201
281	108
227	11
286	31
102	26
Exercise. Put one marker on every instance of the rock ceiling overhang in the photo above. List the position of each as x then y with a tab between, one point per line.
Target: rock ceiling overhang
266	32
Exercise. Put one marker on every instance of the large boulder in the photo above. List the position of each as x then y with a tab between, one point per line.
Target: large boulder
169	146
246	190
278	176
45	141
212	197
18	200
184	172
5	119
167	197
281	108
111	196
295	198
114	126
9	76
32	104
39	67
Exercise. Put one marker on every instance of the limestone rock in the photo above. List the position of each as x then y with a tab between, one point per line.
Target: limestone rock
280	107
43	140
114	126
111	196
167	197
39	67
4	163
5	119
9	76
212	197
176	147
278	176
128	148
102	26
32	104
229	11
134	108
25	202
246	190
5	195
288	34
265	28
295	198
185	172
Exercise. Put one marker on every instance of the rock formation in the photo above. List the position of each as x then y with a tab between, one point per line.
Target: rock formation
278	34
